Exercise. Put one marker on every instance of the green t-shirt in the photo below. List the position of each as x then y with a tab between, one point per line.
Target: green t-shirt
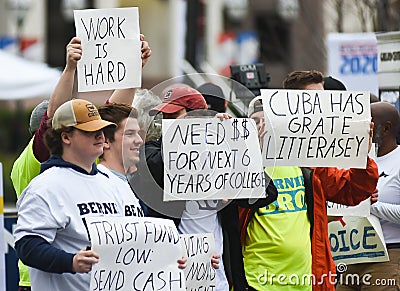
277	247
25	168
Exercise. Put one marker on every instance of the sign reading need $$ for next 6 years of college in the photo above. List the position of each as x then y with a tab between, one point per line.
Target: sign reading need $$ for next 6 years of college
315	128
205	158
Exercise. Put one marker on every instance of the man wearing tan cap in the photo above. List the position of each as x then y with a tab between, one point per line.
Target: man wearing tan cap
27	166
51	235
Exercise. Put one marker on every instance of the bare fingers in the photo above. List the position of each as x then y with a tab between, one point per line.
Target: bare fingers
84	260
215	261
182	263
74	52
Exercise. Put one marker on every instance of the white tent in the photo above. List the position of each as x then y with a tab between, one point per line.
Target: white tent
22	79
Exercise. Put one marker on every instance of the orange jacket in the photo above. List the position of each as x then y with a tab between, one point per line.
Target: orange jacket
348	187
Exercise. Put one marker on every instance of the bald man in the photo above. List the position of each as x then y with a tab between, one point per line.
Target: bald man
387	124
385	275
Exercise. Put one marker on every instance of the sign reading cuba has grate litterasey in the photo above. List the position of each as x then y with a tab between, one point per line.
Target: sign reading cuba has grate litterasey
111	57
205	158
316	128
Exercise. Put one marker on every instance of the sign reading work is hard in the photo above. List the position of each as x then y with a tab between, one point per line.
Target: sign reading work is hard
206	158
199	272
111	57
316	128
357	240
136	253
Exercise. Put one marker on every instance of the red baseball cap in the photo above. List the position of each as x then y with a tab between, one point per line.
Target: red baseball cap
180	97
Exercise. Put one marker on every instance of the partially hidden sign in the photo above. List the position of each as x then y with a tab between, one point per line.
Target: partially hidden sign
356	240
199	249
136	253
316	128
111	57
205	158
362	209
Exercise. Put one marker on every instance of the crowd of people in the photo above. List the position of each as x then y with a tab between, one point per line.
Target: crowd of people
83	160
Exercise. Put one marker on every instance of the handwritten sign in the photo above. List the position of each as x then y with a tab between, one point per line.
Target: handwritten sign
199	273
212	159
136	253
111	57
357	240
316	128
362	209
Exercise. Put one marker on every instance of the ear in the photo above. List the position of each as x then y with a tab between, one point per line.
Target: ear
106	144
387	127
66	137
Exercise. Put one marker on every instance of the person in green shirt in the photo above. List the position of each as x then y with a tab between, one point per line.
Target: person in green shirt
277	245
24	169
27	166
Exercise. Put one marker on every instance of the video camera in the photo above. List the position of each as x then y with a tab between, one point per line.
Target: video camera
253	77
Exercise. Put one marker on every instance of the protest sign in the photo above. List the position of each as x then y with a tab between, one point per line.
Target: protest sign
136	253
362	209
111	57
316	128
199	273
357	240
212	159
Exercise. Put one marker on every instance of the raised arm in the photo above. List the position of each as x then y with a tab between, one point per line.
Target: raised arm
63	91
61	94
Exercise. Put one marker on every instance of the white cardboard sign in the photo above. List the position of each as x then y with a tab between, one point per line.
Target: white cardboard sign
316	128
363	209
111	57
357	240
205	158
199	249
136	253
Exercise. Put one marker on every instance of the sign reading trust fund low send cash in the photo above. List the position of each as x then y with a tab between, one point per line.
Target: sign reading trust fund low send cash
205	158
316	128
111	57
136	253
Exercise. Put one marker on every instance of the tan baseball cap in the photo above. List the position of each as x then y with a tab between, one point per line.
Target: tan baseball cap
80	114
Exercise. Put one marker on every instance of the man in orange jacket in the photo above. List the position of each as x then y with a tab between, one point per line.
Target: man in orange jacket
282	241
